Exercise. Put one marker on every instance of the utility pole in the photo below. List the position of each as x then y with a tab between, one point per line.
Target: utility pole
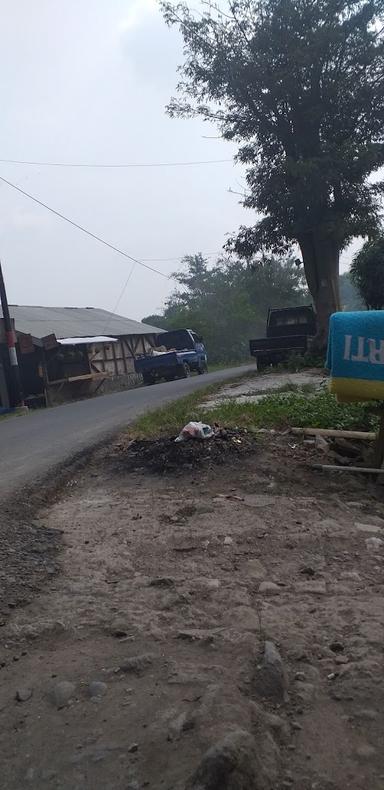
16	394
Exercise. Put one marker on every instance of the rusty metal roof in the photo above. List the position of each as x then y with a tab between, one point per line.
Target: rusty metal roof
74	322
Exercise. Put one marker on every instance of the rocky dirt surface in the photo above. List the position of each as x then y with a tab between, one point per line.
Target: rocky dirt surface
252	389
219	629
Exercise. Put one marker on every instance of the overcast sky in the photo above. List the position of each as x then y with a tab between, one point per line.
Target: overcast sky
88	82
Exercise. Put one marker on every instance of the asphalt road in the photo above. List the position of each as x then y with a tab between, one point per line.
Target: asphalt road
32	445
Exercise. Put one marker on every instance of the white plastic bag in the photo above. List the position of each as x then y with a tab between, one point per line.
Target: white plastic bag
195	430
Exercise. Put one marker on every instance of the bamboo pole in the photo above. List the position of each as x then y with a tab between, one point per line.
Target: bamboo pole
363	469
367	435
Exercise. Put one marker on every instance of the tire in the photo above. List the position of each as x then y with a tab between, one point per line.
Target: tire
186	371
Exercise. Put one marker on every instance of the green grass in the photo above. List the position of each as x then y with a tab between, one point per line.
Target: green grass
170	419
297	362
285	409
291	407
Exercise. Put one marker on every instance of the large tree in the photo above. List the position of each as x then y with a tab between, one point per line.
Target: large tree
367	273
299	86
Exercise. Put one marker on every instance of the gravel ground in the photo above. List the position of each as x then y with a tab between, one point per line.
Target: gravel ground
256	387
237	608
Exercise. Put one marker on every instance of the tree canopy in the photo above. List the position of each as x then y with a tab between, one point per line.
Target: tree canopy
367	273
228	303
349	295
298	85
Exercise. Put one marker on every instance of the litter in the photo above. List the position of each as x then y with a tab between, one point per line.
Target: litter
195	430
373	544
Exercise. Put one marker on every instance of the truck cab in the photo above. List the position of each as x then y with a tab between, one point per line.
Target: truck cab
288	330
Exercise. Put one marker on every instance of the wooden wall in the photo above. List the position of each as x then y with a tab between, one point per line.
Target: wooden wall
117	359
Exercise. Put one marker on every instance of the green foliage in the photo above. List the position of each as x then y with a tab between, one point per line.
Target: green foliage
228	303
281	410
170	419
291	406
155	320
298	86
349	296
367	273
297	362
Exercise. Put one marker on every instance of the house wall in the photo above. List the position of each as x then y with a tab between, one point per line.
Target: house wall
117	359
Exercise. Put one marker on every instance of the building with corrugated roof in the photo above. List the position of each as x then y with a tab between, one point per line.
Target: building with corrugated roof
67	352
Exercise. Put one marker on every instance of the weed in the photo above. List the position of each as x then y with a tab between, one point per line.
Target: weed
297	362
170	419
284	409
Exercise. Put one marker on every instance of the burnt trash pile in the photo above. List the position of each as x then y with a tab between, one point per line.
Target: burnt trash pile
164	455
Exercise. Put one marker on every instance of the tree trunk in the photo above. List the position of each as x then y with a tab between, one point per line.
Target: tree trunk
321	265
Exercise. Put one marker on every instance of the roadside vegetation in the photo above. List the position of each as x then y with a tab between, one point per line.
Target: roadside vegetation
227	302
297	87
287	409
302	407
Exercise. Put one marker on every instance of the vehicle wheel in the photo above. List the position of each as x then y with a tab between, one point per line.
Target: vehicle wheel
186	371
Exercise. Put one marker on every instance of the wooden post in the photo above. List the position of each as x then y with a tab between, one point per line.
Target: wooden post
16	394
379	445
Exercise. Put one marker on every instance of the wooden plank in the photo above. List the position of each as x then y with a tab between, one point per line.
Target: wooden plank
121	344
379	446
130	347
331	468
85	377
367	435
115	360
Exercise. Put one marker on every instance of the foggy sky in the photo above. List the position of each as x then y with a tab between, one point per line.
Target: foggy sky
88	82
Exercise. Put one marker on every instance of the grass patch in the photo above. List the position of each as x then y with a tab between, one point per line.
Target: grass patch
297	362
294	408
170	419
288	407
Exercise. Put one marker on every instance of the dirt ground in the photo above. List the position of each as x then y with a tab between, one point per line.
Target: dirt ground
238	607
252	389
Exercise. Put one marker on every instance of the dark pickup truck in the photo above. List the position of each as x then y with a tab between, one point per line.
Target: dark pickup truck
288	330
184	352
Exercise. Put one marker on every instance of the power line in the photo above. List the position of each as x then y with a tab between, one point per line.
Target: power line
84	230
122	292
114	166
181	257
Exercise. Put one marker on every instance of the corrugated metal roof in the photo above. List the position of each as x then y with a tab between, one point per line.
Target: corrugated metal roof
74	322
